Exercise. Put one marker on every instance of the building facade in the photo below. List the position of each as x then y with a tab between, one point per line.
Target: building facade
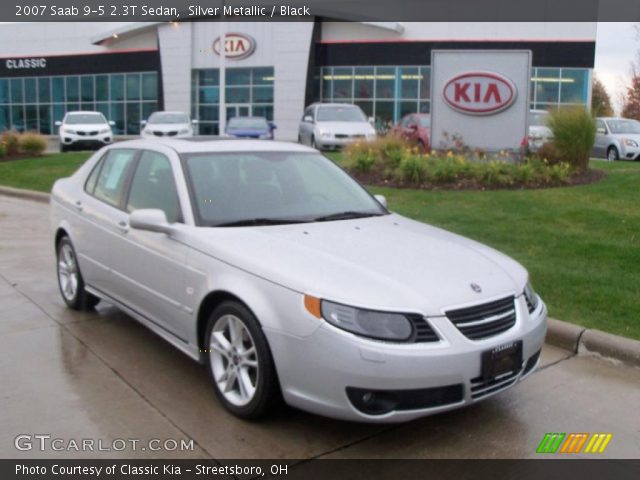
272	69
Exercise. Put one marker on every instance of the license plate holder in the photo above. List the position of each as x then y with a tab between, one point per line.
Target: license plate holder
501	360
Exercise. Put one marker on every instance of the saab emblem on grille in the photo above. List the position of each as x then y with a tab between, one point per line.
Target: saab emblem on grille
475	287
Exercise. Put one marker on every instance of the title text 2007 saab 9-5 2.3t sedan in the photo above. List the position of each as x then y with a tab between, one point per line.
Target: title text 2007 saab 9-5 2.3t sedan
271	265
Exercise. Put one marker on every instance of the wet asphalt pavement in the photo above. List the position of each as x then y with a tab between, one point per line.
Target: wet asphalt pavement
101	375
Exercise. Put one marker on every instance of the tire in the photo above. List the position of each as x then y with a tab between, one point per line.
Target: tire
612	154
70	282
63	148
258	393
314	144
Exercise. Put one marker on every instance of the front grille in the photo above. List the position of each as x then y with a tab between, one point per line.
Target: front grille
158	134
531	363
486	320
530	306
423	331
481	387
379	402
172	134
346	135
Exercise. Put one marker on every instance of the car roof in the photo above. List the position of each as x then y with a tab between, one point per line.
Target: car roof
214	144
170	111
319	104
248	116
77	112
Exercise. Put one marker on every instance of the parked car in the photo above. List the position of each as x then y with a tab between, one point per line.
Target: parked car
84	129
167	124
617	138
539	131
416	129
268	263
327	126
250	127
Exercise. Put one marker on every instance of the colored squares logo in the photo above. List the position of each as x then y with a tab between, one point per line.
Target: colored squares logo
574	443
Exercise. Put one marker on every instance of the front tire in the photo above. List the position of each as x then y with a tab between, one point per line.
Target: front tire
612	154
239	362
70	281
63	148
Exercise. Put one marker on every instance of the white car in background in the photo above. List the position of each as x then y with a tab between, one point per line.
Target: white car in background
84	129
539	131
268	263
326	126
168	124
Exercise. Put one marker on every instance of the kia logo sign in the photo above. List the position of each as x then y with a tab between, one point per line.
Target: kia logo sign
479	93
236	46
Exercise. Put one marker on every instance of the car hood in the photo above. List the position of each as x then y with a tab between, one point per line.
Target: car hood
86	127
540	131
167	127
349	128
630	136
387	262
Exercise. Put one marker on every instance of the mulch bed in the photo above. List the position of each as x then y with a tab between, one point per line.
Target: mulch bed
378	179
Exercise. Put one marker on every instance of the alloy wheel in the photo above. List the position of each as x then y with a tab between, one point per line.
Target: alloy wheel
68	272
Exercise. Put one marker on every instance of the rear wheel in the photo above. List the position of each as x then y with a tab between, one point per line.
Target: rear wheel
63	148
240	363
612	154
70	279
314	144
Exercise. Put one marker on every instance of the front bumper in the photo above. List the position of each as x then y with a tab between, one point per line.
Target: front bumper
333	143
629	152
316	371
86	140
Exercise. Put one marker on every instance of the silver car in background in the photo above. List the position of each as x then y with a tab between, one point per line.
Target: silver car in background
327	126
539	131
617	138
168	124
272	266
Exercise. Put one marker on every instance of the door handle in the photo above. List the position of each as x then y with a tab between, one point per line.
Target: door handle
123	227
78	205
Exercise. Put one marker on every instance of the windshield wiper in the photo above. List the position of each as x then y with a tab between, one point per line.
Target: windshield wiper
259	221
347	215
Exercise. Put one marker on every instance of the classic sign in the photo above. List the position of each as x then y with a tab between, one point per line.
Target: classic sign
236	46
20	63
479	93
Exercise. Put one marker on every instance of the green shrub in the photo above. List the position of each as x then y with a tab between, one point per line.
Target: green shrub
11	141
32	143
574	132
412	169
549	153
3	150
385	151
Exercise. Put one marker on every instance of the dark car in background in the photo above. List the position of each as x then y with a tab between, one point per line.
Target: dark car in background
416	129
250	127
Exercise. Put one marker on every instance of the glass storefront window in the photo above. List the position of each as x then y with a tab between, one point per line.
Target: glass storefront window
149	86
409	77
425	83
117	87
547	82
262	76
31	118
30	90
574	86
57	88
208	78
45	119
4	91
133	118
16	90
262	94
44	90
238	95
102	88
209	94
342	83
73	89
385	82
133	86
238	76
86	88
363	82
17	117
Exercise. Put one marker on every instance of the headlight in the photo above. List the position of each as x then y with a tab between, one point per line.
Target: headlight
68	131
325	134
184	131
630	143
105	130
265	136
533	300
371	135
368	323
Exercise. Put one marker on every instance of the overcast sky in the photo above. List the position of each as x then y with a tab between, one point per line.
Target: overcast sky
616	47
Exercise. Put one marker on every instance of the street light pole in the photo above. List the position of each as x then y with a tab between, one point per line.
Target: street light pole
222	108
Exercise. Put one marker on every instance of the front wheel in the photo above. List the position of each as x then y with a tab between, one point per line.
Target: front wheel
70	279
612	154
240	363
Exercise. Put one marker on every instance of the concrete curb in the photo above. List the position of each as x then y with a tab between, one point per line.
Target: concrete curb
559	334
582	340
27	194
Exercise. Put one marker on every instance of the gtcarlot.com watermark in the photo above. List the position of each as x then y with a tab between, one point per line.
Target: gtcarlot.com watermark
44	442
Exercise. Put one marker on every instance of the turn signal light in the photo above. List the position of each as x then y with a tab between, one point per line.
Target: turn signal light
312	304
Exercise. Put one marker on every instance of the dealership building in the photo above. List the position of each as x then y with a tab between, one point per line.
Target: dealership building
129	70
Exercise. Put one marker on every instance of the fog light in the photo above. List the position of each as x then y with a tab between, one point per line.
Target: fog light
368	398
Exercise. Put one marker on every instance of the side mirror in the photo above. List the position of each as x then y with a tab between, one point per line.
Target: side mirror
371	120
112	123
58	123
272	126
151	220
413	126
194	121
308	119
601	131
143	122
382	200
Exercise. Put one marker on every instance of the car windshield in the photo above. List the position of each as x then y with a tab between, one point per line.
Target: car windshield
624	126
340	114
425	121
267	188
253	123
166	117
538	119
84	118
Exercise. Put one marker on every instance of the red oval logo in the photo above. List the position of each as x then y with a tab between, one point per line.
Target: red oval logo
479	93
236	46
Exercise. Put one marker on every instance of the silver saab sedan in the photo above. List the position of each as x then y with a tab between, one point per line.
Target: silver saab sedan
272	266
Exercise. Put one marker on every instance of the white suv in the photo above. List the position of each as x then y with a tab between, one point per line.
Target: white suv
168	124
84	129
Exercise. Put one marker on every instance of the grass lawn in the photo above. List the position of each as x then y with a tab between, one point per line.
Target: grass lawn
40	173
581	245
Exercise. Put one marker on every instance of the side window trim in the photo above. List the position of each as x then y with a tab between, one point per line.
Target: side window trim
97	168
129	181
